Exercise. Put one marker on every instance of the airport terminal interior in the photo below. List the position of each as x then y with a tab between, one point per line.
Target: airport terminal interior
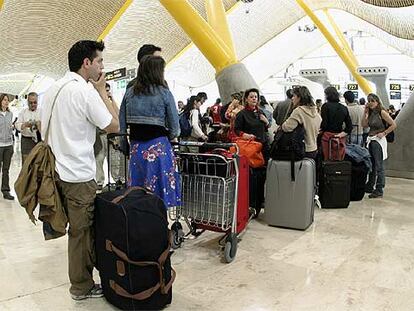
251	238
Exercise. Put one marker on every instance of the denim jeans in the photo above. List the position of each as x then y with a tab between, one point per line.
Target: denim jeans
376	179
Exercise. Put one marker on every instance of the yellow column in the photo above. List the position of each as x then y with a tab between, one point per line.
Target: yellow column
341	37
114	20
1	4
216	17
201	33
363	83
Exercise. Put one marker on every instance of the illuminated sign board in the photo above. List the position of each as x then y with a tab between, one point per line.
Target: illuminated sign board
116	74
395	87
395	95
352	86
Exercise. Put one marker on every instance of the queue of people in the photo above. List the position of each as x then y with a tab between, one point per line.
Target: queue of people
80	103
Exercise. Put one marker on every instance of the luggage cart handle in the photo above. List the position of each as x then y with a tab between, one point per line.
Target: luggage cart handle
207	145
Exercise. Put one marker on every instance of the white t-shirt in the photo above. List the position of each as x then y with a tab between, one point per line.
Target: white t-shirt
78	111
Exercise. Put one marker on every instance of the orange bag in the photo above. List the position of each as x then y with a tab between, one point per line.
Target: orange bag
252	150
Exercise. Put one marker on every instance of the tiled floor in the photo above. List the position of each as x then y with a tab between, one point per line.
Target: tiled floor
360	258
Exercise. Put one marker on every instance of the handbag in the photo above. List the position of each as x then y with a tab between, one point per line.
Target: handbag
391	135
252	150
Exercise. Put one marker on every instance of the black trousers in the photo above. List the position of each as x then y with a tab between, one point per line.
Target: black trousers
6	154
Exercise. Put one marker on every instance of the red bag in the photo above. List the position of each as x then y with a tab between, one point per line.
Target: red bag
333	148
252	150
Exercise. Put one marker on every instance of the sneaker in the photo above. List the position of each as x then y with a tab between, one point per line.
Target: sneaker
375	195
8	196
95	292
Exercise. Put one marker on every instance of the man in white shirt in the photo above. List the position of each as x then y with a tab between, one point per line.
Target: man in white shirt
80	105
28	123
356	112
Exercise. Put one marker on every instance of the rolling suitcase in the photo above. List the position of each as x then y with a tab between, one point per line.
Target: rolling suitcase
290	194
133	249
335	183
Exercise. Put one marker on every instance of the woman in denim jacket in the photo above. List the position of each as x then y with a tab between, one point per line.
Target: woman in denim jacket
6	144
148	109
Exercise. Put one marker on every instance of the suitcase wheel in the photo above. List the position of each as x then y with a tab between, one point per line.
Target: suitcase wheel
230	248
177	235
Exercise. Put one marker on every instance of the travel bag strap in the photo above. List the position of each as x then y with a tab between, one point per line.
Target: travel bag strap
160	265
51	111
128	191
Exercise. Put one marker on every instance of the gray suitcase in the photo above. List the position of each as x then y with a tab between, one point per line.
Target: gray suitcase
290	194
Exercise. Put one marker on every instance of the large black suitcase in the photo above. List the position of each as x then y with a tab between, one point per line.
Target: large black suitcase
335	184
133	249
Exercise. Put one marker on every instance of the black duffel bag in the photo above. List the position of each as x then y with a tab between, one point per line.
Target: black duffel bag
289	146
133	249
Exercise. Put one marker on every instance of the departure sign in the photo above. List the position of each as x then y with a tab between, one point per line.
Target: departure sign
337	86
395	87
116	74
352	86
395	95
411	87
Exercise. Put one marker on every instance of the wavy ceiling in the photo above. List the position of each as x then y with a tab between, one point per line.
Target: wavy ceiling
390	3
36	34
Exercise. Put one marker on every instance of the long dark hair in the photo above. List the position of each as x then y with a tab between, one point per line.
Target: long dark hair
150	75
379	107
305	96
2	96
190	104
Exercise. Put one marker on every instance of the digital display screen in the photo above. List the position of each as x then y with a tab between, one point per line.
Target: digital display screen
395	95
395	87
352	86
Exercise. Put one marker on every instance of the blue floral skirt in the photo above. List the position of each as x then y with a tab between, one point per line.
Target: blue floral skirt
153	166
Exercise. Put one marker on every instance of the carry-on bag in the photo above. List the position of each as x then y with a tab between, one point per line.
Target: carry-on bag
133	249
290	201
334	182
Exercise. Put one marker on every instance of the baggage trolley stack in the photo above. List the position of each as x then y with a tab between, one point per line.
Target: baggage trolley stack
210	201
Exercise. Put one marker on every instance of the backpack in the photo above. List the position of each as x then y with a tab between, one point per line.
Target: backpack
289	146
185	125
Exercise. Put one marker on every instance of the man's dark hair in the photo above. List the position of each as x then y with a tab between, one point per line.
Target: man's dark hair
289	93
32	94
332	94
147	49
150	75
362	101
202	95
349	96
81	50
218	101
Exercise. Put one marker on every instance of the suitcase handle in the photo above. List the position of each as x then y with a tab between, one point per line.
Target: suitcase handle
145	294
123	196
110	247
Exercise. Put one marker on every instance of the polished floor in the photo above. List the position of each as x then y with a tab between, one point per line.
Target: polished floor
360	258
